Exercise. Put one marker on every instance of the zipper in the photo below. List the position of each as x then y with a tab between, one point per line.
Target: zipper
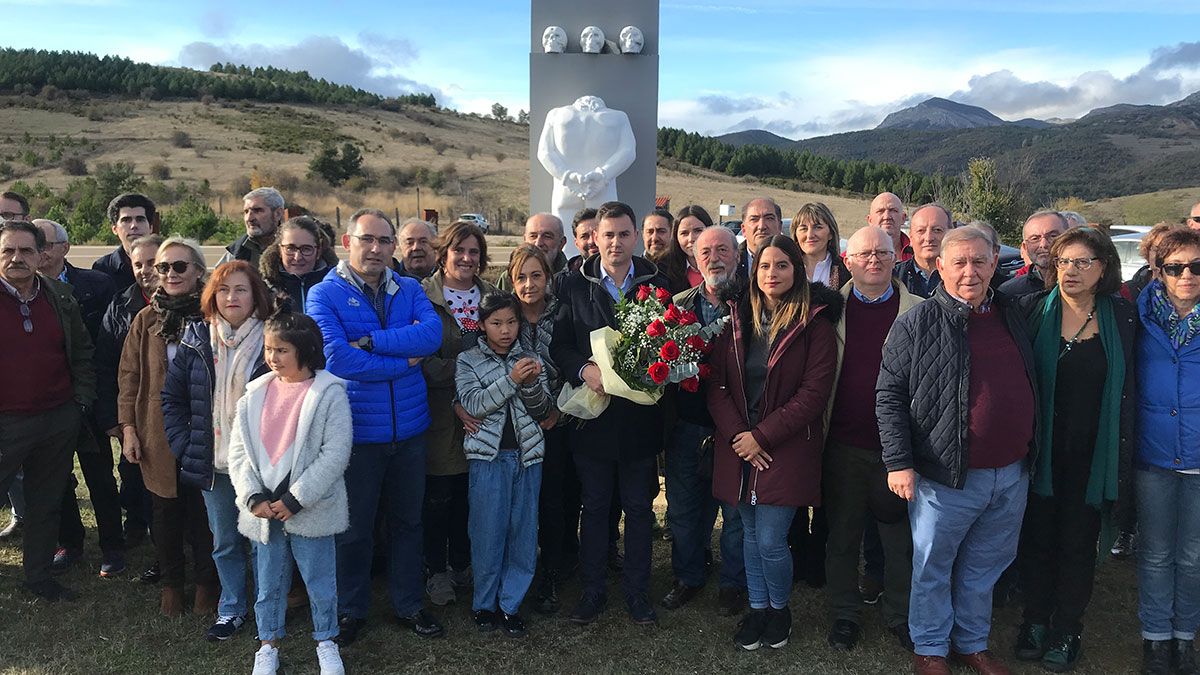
737	359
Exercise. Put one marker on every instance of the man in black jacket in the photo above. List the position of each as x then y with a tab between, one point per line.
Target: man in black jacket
262	212
957	418
1037	235
130	216
619	446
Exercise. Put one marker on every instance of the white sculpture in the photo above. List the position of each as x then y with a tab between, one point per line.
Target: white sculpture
591	41
585	146
632	40
554	40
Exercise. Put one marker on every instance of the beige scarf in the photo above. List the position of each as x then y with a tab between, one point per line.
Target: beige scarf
235	353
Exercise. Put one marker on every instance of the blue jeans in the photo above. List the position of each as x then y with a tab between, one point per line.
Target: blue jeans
768	558
1168	509
229	546
692	512
397	471
315	558
503	527
963	540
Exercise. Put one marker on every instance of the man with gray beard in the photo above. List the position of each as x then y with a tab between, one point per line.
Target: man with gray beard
691	508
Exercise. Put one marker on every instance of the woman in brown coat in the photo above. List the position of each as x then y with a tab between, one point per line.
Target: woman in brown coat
772	376
179	511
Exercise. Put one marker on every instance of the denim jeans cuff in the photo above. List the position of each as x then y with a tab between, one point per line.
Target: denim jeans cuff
1157	637
321	636
971	647
268	635
1184	635
932	650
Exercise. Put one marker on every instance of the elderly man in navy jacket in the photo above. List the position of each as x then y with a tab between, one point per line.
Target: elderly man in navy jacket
377	327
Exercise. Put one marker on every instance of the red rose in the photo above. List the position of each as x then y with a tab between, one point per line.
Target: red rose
643	293
697	343
669	351
656	329
662	294
688	318
705	371
672	315
691	384
658	372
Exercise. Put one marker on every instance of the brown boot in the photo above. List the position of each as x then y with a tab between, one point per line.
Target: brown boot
171	602
207	596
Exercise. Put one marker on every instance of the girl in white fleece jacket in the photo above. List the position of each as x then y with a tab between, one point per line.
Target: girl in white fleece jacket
290	447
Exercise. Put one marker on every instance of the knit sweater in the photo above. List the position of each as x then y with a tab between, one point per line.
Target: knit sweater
1001	405
853	420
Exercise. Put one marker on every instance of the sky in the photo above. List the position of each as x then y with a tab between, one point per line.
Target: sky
798	68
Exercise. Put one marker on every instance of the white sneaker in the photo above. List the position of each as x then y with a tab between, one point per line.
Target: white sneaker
330	658
266	661
440	588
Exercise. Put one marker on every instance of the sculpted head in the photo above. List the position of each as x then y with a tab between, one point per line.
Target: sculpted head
632	40
554	40
592	40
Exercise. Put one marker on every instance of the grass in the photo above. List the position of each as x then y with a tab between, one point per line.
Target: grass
115	628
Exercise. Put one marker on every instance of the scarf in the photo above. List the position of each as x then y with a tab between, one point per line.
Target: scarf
1102	481
175	312
1179	330
235	351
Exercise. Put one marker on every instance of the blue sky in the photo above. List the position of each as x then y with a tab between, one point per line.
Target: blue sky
798	68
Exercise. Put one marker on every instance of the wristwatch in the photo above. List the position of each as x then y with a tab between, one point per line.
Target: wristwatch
365	343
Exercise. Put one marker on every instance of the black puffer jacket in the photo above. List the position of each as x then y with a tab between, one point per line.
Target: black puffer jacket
921	397
114	326
187	402
118	268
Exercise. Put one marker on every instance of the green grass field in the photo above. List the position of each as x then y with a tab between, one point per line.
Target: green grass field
115	628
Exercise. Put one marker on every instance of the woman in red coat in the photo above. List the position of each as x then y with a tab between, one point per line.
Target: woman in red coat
772	375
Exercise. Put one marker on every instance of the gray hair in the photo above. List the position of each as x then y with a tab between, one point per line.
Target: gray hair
368	212
1062	218
726	232
60	232
269	195
417	221
544	214
191	244
1073	218
154	240
976	230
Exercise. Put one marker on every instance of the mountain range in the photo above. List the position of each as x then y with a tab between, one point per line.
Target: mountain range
1116	150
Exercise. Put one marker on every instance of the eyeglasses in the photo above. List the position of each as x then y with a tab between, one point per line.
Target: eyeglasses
12	215
1194	219
179	266
1081	264
1176	269
369	240
1036	239
864	256
305	250
27	315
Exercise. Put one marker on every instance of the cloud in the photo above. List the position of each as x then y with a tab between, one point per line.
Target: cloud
1011	97
323	57
215	24
725	105
1182	55
398	52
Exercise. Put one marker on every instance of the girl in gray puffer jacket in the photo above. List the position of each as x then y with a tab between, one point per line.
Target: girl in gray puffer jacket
506	389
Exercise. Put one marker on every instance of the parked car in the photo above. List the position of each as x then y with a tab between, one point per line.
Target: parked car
478	219
1127	250
1115	231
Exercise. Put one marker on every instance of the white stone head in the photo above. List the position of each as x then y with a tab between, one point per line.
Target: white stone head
554	40
632	40
592	40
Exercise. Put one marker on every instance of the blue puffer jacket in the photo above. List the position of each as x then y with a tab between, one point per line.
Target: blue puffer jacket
1168	396
387	395
187	401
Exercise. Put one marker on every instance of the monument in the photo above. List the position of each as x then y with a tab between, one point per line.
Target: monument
593	122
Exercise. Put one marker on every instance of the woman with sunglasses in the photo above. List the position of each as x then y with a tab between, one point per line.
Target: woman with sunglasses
1167	462
153	341
300	257
1083	352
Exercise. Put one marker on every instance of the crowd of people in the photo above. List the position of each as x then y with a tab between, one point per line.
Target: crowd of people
296	420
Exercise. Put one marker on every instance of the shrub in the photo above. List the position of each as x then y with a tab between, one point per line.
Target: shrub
74	166
470	151
239	186
181	139
500	157
195	218
160	171
440	147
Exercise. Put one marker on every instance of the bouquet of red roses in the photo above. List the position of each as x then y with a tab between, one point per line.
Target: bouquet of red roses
656	344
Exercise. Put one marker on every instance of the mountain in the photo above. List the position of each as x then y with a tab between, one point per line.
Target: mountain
1033	123
939	113
755	137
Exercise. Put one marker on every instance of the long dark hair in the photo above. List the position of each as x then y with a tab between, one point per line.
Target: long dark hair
794	306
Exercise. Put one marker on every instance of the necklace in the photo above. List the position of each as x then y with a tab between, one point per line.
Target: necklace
1075	338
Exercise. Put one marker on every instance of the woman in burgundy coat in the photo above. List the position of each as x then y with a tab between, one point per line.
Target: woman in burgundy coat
772	375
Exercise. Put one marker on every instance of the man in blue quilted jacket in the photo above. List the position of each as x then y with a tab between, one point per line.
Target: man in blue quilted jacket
377	327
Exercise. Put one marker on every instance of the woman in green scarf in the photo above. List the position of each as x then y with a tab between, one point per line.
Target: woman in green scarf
1083	351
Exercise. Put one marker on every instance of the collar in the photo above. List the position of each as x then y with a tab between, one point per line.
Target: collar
12	290
887	295
62	276
983	308
624	285
345	271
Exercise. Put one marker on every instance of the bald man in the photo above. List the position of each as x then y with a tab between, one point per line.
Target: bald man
545	231
928	225
887	213
853	468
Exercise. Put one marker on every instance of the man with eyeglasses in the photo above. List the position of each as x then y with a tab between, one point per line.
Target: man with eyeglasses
13	206
50	386
417	239
93	291
130	215
1193	219
262	212
927	226
854	476
377	326
1038	234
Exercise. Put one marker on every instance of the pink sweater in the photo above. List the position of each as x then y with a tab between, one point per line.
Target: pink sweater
281	416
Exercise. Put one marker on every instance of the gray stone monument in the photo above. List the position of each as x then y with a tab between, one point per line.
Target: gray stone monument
625	83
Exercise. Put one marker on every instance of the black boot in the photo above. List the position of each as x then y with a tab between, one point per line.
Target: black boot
1156	657
1185	657
547	595
779	627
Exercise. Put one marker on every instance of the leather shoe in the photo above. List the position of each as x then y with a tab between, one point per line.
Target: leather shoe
51	591
590	606
348	630
982	662
844	635
730	601
641	611
930	665
680	595
423	624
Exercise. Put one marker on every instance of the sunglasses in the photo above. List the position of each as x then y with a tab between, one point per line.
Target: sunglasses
27	315
1176	269
179	266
